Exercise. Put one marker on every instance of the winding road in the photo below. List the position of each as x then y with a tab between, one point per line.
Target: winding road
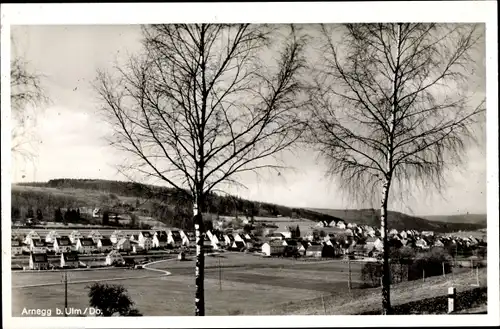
163	273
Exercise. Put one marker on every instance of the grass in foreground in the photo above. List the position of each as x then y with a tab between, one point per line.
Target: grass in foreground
368	301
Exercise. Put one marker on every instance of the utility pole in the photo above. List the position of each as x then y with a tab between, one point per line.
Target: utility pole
220	275
349	278
65	292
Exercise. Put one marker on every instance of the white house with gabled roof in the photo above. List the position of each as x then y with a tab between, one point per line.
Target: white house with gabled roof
95	235
104	245
74	236
62	244
116	236
174	238
32	235
51	236
86	245
38	246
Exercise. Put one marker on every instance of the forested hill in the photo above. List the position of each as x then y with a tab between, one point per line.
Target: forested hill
163	203
174	208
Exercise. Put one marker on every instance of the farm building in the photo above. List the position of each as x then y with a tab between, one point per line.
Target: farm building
104	245
116	236
38	246
62	244
85	245
114	257
38	261
273	248
74	236
315	250
16	247
123	244
69	259
51	236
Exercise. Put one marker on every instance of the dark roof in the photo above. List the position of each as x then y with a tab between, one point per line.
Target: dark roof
135	236
63	241
87	242
291	242
39	258
106	242
16	243
162	238
70	256
146	234
275	243
239	244
39	243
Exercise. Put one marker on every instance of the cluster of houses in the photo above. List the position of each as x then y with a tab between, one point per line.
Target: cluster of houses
351	239
75	244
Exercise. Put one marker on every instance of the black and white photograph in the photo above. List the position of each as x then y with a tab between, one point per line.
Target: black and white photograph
229	164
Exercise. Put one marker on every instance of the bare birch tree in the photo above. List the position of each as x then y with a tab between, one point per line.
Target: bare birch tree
26	96
201	106
391	110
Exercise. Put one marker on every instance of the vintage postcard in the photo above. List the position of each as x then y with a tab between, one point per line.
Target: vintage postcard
216	165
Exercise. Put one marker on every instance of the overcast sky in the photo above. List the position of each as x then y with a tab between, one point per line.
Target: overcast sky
72	144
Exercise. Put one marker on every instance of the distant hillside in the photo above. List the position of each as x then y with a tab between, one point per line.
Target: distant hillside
172	207
168	205
397	220
464	219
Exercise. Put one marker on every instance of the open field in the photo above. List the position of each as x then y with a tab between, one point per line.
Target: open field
368	301
248	284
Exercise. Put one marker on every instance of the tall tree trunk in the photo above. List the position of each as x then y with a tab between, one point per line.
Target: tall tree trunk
199	300
386	283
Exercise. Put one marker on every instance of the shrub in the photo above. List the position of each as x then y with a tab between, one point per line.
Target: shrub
405	266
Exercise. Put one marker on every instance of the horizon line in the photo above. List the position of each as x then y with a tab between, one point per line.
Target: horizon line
283	205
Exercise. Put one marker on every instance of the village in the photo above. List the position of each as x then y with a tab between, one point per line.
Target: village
335	239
